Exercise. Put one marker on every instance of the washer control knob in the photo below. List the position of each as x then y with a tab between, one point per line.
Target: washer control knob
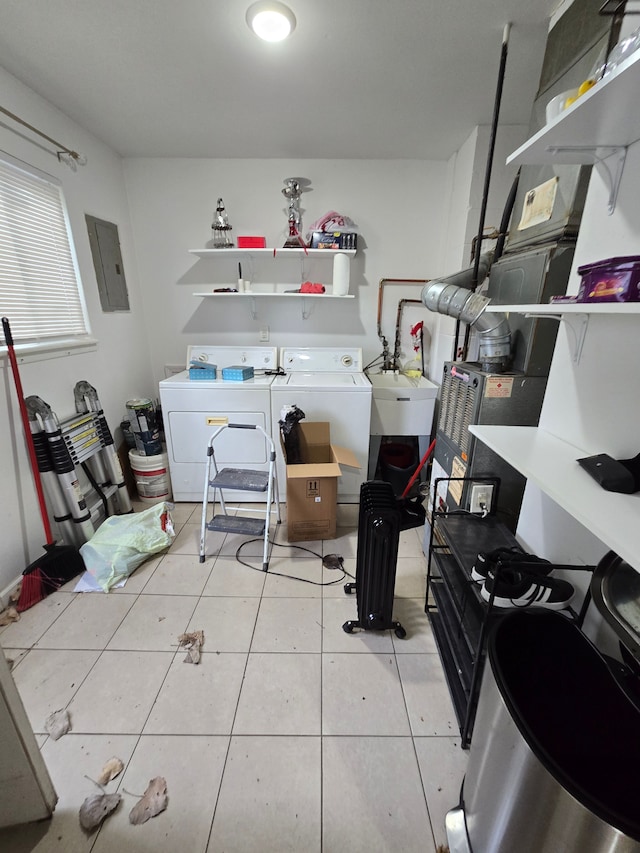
347	360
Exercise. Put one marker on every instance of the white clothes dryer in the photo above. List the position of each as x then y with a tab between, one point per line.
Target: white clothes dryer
327	384
193	408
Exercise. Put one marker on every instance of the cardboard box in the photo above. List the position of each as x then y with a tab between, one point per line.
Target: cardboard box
312	486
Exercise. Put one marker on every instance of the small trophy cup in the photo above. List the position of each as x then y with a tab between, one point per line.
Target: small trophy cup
293	189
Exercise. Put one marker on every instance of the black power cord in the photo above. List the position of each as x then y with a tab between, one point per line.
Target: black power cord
330	561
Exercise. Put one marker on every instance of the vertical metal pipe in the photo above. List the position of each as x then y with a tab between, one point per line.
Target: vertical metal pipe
492	145
487	176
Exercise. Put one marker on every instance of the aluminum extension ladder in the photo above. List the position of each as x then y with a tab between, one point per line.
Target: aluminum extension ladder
239	480
82	440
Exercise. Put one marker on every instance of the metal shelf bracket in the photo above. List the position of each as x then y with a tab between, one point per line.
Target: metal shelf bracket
307	308
578	323
600	154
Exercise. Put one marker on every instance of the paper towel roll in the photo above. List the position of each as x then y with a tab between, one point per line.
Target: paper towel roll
341	268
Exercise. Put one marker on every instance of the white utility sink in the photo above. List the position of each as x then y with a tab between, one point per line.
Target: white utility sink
402	405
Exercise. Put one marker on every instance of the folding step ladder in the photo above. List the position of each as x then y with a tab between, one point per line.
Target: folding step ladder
239	480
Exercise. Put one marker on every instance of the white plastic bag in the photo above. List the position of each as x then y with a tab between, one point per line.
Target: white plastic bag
123	542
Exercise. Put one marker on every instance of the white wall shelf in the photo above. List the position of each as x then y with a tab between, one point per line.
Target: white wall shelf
602	122
560	308
238	254
550	463
574	314
258	295
256	255
307	308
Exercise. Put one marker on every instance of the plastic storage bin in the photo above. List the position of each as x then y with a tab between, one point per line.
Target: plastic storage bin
555	758
611	280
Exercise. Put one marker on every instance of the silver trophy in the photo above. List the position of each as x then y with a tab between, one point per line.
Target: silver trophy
293	189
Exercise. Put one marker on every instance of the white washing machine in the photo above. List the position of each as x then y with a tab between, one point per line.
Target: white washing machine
192	408
328	384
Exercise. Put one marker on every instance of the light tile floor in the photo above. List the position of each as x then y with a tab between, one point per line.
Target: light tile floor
290	735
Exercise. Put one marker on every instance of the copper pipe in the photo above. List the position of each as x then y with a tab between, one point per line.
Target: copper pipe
396	348
381	284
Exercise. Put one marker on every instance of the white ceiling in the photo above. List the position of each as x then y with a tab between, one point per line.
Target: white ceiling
358	78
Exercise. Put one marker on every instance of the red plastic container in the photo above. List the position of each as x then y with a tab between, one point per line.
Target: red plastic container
611	280
252	243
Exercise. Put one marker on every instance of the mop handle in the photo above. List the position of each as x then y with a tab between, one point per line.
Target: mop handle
414	476
27	431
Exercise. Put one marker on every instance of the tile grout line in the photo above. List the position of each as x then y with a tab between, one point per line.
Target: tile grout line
233	721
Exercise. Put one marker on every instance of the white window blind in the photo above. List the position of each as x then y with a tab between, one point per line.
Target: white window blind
40	289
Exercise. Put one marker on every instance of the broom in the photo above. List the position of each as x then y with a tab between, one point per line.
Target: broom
59	563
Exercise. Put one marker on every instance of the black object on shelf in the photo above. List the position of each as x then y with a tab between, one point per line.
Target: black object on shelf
614	475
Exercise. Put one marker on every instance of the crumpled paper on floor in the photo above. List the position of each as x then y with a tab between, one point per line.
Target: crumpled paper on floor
193	642
153	801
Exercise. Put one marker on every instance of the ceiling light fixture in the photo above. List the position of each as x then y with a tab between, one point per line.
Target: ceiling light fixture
270	20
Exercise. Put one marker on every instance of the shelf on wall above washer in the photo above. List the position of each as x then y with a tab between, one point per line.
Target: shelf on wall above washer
306	311
274	253
253	295
550	463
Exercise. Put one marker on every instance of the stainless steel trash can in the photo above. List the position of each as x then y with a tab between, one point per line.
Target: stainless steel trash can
554	765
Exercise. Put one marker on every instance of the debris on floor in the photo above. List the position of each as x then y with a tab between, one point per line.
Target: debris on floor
153	801
111	769
193	642
8	616
95	808
58	723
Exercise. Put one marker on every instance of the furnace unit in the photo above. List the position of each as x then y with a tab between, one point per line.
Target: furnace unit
471	394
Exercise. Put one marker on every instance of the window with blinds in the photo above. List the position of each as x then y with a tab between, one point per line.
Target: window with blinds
40	288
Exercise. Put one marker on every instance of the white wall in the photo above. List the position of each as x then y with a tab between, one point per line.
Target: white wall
416	221
397	206
119	369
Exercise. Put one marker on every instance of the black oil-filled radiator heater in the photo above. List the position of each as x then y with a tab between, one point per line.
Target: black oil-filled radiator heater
379	524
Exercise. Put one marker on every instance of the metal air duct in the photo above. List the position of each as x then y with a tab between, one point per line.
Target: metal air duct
452	296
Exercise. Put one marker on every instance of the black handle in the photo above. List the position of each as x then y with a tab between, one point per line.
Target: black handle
7	332
241	426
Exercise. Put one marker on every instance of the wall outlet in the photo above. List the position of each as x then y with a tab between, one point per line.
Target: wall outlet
481	497
264	335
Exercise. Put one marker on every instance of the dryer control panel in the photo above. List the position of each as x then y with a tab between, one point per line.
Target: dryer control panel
321	360
260	358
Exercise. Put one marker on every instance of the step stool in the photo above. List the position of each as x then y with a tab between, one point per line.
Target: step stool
239	480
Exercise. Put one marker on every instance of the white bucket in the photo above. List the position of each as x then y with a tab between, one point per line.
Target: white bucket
151	474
